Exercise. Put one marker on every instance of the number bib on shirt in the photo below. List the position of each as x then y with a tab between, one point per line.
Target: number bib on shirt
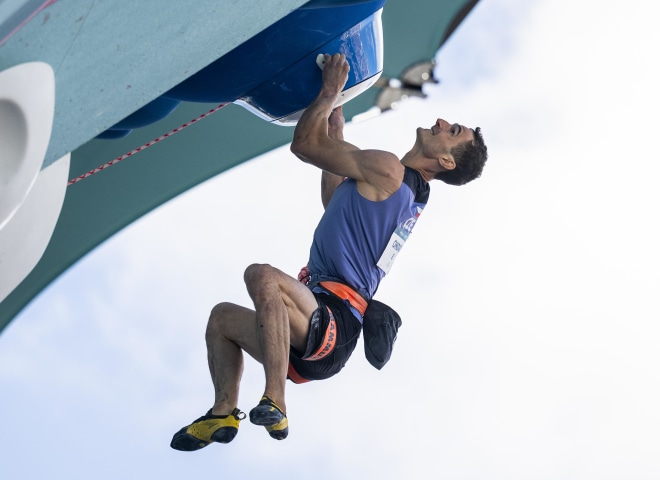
398	240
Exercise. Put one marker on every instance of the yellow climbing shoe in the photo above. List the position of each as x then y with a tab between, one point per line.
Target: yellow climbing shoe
269	415
207	429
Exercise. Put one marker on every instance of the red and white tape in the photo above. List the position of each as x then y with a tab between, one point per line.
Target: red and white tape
146	145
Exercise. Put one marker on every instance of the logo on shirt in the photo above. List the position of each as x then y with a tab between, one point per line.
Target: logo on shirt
409	224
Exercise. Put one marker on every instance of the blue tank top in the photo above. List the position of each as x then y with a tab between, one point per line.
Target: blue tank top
357	239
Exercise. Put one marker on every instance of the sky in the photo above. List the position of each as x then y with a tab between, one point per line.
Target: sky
529	345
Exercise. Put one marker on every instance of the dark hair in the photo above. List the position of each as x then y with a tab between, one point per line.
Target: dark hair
470	158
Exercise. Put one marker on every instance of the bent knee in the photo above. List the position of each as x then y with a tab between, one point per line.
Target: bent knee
257	273
218	314
221	309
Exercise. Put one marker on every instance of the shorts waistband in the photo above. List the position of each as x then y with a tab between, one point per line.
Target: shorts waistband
346	293
294	376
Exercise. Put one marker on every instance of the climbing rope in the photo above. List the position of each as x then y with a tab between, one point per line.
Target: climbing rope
146	145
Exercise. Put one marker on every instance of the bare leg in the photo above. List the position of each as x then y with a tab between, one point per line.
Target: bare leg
283	309
231	329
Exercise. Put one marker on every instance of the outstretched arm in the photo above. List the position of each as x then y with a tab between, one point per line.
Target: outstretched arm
378	173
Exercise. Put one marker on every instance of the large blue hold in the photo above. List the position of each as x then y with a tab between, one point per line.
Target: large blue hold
274	74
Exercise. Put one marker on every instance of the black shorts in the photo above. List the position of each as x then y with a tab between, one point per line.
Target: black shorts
333	335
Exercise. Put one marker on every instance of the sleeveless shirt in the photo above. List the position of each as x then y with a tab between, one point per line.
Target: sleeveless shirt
357	239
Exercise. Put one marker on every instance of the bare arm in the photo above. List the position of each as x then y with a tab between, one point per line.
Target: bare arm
378	173
330	181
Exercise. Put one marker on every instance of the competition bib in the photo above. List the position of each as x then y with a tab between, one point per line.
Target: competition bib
397	241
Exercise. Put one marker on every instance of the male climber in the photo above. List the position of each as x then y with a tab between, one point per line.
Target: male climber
307	332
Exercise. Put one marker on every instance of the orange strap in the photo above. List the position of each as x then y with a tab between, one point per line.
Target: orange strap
346	293
329	339
295	376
